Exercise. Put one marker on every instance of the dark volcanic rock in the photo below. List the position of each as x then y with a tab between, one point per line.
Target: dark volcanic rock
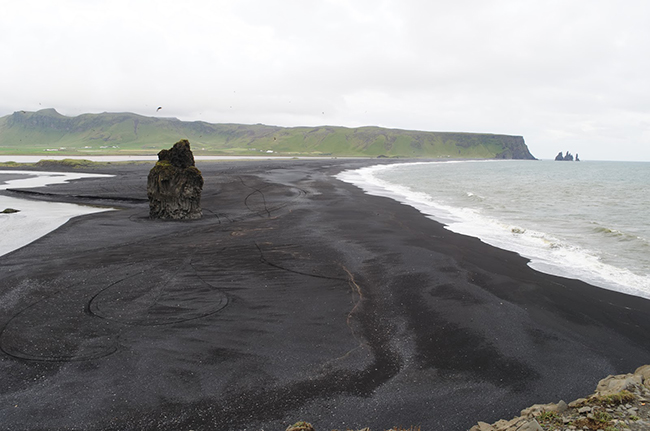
165	155
174	185
567	157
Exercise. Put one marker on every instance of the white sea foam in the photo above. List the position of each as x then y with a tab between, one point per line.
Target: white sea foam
36	218
547	252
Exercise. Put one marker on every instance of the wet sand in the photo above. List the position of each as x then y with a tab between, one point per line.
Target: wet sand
296	297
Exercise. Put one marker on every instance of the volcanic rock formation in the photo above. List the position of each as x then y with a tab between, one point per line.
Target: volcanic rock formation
174	185
568	156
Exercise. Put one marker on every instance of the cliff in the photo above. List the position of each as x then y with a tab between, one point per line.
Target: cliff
124	133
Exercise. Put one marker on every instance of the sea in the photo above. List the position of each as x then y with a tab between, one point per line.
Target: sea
587	220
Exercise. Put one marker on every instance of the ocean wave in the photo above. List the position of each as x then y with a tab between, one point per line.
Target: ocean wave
547	252
553	255
474	196
615	233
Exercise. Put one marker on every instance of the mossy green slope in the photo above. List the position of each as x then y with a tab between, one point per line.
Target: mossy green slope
125	133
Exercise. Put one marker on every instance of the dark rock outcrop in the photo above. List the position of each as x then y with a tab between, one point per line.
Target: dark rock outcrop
174	185
567	157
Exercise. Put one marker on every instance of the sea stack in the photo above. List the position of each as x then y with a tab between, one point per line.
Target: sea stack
568	156
174	185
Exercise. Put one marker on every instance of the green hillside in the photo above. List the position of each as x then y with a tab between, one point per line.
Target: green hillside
47	131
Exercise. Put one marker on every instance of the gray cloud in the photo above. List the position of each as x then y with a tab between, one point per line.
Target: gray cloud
566	75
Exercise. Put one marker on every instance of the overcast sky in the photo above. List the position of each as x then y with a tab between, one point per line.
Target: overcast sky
567	75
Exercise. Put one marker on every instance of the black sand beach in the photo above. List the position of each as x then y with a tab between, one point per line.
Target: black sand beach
296	297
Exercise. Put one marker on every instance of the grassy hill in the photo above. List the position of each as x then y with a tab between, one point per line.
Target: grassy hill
124	133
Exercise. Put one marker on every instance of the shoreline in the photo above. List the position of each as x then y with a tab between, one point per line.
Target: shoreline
296	297
36	218
619	279
153	157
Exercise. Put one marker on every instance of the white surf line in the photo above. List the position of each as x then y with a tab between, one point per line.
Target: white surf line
36	218
568	262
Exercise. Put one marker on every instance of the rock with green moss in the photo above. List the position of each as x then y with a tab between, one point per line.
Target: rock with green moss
174	185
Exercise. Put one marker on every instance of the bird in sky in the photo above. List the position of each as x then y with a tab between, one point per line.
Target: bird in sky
159	108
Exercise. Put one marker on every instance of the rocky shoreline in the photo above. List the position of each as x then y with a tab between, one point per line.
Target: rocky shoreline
620	402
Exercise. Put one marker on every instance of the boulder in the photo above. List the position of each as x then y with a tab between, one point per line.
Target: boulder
174	185
611	385
537	409
301	426
644	372
516	424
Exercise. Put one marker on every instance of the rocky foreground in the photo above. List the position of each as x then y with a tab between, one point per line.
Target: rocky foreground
621	402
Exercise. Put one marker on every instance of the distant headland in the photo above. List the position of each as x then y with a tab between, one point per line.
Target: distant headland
47	130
